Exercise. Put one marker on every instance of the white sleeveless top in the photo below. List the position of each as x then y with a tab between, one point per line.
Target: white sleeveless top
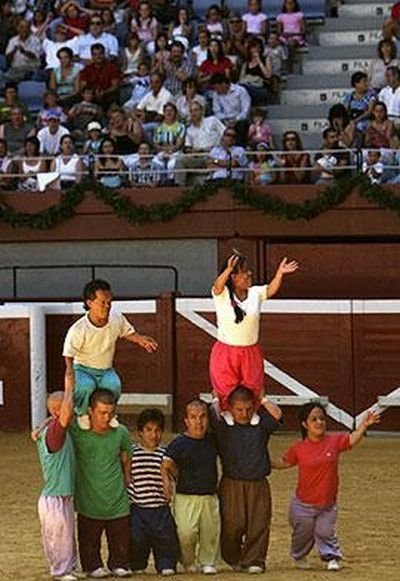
67	170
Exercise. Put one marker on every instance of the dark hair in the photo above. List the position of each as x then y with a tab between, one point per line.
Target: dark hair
137	16
177	43
89	291
299	145
219	78
214	7
67	51
394	70
305	411
393	48
241	393
338	110
190	81
150	415
357	77
4	142
10	85
221	52
101	396
160	35
254	42
170	104
380	104
105	140
242	261
296	6
34	141
97	46
327	131
66	136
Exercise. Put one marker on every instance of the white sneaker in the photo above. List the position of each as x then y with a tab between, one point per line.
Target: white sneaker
168	572
121	571
255	570
208	570
66	577
333	565
99	573
191	569
113	423
84	424
302	564
228	417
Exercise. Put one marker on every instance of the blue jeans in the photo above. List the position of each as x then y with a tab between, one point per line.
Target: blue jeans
87	380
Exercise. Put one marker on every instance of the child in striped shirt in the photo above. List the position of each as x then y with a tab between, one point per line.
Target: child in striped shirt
152	524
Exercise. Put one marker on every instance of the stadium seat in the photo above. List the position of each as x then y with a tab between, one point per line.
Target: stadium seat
310	8
31	94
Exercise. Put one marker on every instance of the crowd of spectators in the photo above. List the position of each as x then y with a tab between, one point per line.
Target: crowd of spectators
145	93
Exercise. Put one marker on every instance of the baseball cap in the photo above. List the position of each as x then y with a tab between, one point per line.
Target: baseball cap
94	125
53	114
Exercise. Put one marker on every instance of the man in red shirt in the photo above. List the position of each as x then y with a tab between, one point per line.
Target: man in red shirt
103	76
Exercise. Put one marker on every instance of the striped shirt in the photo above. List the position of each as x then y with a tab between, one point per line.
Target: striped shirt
146	486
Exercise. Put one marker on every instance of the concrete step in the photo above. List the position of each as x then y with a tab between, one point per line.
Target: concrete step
381	10
301	125
335	66
341	52
318	81
278	112
351	24
328	96
350	37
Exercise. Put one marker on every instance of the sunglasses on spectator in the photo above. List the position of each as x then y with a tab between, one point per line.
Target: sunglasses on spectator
95	22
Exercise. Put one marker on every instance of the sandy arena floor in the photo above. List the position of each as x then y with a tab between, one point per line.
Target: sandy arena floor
369	522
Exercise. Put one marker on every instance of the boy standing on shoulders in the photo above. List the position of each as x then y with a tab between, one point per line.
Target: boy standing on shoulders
192	459
244	489
55	506
89	349
102	473
152	524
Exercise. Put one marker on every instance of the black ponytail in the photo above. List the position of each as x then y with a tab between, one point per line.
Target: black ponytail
239	312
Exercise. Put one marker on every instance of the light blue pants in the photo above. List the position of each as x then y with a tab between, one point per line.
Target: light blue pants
87	379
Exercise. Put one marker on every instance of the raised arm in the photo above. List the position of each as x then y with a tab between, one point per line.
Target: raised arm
67	404
222	279
169	471
284	267
368	420
273	409
144	341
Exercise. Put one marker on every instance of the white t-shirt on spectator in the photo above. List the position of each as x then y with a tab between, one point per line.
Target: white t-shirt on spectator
86	41
50	142
51	47
95	346
392	100
246	332
205	136
156	103
254	22
31	44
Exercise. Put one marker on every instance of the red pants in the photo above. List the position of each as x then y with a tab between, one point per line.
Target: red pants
231	366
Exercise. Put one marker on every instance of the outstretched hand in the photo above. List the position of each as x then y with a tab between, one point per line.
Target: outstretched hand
286	267
371	418
148	343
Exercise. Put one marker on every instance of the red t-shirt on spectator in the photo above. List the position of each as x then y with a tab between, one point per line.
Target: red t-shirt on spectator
81	22
99	78
318	462
209	67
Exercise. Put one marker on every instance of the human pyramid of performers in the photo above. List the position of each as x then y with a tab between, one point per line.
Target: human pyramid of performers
174	501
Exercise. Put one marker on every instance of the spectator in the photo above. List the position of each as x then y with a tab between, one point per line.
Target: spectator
256	73
108	167
227	160
181	29
103	76
278	57
200	50
5	165
50	103
145	169
108	20
259	130
10	101
202	134
23	54
16	131
387	54
162	53
236	41
64	79
51	47
83	113
126	132
262	166
214	22
216	63
339	120
359	102
145	25
50	136
373	167
255	20
151	108
133	56
39	23
67	164
76	18
178	69
293	160
390	94
190	94
94	138
96	36
29	165
380	130
169	138
291	28
231	104
328	162
140	83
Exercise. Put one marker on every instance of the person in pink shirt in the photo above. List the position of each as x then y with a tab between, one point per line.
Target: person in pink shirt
313	510
291	28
